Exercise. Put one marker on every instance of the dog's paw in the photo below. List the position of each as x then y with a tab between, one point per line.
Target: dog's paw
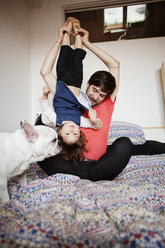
4	198
22	179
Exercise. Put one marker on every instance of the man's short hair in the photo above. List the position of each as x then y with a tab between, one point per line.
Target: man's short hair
104	80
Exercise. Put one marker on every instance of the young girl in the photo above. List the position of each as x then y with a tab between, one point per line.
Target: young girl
69	101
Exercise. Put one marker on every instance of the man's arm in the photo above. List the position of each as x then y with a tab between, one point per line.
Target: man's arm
112	64
47	67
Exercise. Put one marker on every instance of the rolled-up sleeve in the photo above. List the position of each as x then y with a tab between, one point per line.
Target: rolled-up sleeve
48	114
86	123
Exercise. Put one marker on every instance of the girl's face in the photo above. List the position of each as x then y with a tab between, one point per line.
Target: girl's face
70	132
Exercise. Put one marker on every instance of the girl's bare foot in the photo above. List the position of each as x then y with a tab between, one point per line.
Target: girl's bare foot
76	25
78	38
69	25
73	25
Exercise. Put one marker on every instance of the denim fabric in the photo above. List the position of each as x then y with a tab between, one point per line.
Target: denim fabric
66	105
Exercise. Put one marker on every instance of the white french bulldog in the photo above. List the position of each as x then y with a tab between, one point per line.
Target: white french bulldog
21	148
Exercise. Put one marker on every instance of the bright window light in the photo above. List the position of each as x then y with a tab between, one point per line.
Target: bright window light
113	18
136	13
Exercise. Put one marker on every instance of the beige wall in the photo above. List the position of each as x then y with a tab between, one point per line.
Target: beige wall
140	98
15	102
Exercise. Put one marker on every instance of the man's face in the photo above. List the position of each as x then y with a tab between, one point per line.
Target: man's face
95	94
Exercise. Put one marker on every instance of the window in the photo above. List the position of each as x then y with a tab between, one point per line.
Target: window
136	13
126	22
113	18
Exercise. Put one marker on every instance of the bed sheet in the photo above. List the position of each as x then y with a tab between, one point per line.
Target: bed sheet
66	211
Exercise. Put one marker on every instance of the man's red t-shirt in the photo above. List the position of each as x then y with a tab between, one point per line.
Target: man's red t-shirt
96	144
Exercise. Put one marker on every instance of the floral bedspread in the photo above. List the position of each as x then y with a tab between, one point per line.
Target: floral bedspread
66	211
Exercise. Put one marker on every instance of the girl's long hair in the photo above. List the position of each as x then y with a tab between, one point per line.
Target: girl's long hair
75	151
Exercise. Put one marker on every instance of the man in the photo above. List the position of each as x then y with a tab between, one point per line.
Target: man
102	89
101	162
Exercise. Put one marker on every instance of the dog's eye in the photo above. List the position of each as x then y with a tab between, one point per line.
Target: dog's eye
54	140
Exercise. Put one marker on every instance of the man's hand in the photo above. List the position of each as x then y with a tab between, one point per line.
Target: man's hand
62	30
84	34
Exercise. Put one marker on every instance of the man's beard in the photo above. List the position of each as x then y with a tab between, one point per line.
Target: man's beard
92	100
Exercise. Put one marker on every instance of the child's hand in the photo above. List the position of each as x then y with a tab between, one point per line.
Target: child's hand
92	115
96	123
46	91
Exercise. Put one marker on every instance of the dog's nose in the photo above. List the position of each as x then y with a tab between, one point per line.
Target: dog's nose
21	122
54	140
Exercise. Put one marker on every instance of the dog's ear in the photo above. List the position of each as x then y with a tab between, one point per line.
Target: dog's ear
31	133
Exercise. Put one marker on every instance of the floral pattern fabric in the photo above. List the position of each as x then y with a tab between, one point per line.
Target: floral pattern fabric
66	211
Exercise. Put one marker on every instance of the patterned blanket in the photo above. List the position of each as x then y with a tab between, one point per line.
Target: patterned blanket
65	211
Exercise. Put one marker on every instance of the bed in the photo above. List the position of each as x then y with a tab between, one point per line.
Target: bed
65	211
